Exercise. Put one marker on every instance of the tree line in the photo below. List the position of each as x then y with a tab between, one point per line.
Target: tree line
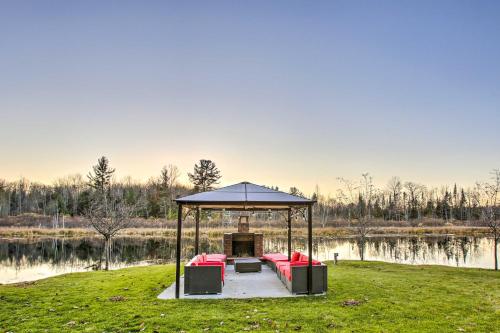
72	195
397	201
406	201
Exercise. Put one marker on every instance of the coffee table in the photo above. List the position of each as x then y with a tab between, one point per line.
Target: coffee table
247	265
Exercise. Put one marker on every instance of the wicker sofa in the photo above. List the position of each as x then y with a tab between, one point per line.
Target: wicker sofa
204	274
293	273
273	258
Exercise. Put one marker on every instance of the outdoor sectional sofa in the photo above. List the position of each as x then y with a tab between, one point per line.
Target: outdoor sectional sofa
293	273
204	274
272	258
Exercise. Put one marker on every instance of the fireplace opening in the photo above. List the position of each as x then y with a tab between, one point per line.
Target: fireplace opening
243	248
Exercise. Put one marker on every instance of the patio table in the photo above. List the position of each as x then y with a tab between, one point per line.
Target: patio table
247	265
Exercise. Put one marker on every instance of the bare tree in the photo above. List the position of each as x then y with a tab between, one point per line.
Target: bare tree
322	206
415	191
108	216
394	187
204	176
364	225
363	229
4	193
167	181
490	209
108	212
348	197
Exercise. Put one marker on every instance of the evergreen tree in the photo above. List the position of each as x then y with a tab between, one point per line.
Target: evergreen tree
463	203
204	176
101	178
295	191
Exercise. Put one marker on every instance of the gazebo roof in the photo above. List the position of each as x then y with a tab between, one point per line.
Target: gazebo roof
245	196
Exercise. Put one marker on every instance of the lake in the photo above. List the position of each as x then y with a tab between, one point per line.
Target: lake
32	259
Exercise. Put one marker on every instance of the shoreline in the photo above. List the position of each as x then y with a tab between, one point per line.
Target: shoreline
29	233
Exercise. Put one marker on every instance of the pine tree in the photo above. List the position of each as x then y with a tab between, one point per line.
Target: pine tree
463	203
455	202
204	176
295	191
100	180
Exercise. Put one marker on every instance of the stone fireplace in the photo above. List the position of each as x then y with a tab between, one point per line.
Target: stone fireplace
243	243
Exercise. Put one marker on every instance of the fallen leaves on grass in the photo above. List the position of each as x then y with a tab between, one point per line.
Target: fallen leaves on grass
351	302
117	298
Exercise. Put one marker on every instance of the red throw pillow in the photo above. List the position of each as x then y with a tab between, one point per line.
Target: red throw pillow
295	256
303	257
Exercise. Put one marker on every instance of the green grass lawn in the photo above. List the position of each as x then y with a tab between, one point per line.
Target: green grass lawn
393	298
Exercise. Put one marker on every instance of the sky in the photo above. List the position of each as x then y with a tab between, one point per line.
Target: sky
286	93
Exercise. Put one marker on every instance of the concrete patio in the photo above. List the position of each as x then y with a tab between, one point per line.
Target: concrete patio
240	285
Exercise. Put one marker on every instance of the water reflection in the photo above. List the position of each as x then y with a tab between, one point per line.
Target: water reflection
24	260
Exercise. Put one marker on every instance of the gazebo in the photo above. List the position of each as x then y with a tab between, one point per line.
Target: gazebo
244	196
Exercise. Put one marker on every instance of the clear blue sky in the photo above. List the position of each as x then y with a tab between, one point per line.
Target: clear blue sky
276	92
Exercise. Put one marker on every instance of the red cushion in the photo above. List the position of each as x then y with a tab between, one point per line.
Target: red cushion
275	257
287	272
295	256
216	257
280	264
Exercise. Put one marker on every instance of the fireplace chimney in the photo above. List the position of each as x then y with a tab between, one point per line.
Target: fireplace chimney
243	225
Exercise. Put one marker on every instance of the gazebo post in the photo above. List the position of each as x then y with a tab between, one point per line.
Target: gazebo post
310	250
289	221
178	251
197	233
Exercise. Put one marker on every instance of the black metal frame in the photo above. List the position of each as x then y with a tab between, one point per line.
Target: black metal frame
249	206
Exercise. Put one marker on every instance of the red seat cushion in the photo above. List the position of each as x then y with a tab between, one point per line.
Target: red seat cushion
295	256
216	257
275	257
